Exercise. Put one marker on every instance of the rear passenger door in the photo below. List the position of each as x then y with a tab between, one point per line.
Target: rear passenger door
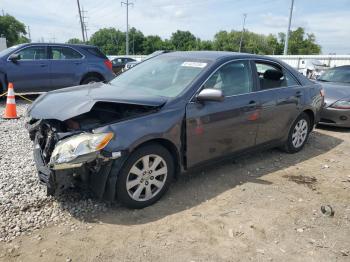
67	66
281	98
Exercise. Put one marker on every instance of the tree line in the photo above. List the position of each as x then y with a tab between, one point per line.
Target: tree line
112	41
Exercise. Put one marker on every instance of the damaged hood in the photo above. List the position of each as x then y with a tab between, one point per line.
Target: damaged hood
69	102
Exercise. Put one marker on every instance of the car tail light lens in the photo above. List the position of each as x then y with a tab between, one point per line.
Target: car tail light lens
108	64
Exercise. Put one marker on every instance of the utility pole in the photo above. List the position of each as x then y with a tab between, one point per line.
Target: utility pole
240	42
285	51
29	37
85	23
127	3
81	21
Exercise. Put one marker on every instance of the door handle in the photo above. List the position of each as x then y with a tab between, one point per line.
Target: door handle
299	94
43	65
77	63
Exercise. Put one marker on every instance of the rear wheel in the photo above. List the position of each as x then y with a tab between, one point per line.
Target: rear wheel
298	134
145	176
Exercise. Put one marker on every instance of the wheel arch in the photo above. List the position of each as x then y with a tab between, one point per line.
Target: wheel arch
170	146
92	74
311	115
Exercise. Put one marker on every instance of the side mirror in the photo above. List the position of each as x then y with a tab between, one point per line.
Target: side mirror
14	57
210	94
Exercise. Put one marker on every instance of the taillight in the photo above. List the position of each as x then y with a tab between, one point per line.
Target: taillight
108	64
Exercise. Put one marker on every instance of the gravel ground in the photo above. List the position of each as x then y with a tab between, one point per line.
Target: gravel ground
261	207
24	206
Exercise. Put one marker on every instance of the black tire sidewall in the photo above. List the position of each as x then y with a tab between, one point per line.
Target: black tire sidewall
290	148
122	194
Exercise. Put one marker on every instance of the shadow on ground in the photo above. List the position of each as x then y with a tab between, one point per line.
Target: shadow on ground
197	187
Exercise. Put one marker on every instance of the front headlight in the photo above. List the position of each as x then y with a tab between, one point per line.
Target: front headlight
341	104
70	148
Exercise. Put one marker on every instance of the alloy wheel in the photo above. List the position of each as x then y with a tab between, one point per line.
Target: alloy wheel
146	177
300	133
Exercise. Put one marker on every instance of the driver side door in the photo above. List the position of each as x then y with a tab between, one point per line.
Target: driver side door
215	129
31	72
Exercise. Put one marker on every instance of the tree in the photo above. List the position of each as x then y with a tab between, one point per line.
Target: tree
13	30
301	43
136	39
109	40
183	40
152	43
74	41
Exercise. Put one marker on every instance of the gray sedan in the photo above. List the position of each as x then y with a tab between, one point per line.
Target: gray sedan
128	139
336	84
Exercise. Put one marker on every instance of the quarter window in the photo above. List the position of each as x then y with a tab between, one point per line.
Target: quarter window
33	53
64	53
233	79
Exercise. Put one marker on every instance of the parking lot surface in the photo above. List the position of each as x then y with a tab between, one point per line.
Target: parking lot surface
260	207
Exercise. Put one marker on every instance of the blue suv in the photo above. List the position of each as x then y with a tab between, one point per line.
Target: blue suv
38	67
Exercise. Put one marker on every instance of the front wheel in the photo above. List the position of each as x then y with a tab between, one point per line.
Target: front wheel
298	134
145	176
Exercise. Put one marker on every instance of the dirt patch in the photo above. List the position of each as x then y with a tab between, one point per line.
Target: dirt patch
253	208
310	182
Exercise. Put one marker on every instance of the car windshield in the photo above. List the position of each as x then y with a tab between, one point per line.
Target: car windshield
164	76
8	50
341	75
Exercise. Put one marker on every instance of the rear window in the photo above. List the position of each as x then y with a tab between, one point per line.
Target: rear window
96	52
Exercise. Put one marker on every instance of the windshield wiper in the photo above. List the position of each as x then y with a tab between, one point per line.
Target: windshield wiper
322	80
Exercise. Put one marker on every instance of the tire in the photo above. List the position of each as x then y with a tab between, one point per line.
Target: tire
90	80
137	186
298	134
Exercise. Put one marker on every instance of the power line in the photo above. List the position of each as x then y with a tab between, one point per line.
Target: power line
285	51
127	3
81	21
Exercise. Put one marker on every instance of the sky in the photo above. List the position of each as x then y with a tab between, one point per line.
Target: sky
58	20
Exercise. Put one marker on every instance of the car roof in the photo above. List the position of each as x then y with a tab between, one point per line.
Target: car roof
59	44
215	55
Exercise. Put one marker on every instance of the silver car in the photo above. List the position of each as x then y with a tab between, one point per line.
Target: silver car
336	84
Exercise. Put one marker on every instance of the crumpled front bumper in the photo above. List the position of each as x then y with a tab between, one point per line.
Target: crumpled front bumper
100	176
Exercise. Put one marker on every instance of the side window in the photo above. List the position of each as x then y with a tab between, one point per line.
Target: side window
290	79
33	53
270	76
233	79
64	53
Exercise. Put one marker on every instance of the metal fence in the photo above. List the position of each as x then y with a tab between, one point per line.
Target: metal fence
329	60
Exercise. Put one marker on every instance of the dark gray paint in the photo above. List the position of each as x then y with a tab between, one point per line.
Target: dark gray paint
198	131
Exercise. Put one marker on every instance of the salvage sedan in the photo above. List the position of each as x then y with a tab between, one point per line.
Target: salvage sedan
336	84
128	139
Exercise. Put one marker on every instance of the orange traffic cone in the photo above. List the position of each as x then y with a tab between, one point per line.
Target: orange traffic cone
10	110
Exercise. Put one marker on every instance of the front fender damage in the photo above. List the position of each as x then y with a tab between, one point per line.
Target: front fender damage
97	172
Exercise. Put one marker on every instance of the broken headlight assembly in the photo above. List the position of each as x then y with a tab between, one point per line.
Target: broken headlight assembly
75	150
